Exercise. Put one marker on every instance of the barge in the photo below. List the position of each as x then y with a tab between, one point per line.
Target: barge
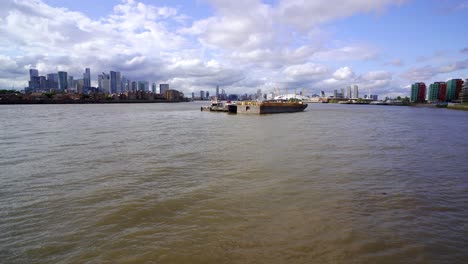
270	107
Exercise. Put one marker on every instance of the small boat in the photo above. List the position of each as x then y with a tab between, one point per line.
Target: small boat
217	106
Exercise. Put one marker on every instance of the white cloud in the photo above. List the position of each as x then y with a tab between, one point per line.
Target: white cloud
308	14
343	73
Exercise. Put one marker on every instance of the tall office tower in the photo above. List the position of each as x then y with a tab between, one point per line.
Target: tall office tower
104	83
134	86
322	94
87	78
193	96
163	87
207	95
42	83
259	94
52	81
116	82
418	92
80	86
141	86
33	73
464	92
335	93
202	94
342	92
34	81
124	85
62	81
70	83
348	92
356	92
217	91
437	92
454	87
153	87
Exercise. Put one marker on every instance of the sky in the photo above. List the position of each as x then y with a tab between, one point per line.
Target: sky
244	45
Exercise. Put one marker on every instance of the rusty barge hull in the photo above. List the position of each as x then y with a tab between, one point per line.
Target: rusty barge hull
270	108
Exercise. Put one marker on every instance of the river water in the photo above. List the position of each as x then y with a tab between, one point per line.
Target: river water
166	183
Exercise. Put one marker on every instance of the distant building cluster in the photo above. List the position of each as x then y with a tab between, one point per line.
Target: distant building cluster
108	83
454	90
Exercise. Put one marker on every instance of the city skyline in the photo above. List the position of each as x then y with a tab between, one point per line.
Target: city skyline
243	46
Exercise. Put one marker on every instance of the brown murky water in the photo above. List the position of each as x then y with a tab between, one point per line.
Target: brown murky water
166	183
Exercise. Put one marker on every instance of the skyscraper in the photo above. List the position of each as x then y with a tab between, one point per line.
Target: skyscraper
202	94
124	86
34	80
348	92
217	91
153	87
87	78
163	87
52	81
33	73
116	82
62	81
356	92
70	83
104	83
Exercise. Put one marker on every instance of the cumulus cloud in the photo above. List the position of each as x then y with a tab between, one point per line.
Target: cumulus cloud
394	62
343	73
428	72
307	14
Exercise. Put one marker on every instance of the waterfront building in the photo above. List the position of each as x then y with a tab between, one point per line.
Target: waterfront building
153	87
33	73
464	92
134	86
193	96
437	92
338	95
173	95
356	91
124	85
202	94
348	92
116	82
163	87
418	92
217	91
87	78
34	80
42	83
62	81
143	86
70	84
52	81
104	83
454	87
80	86
207	95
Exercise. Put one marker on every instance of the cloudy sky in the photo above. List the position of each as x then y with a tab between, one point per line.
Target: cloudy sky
243	45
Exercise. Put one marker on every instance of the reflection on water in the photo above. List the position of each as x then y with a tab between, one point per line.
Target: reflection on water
170	184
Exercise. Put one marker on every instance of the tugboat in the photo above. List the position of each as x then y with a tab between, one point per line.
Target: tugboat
218	106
